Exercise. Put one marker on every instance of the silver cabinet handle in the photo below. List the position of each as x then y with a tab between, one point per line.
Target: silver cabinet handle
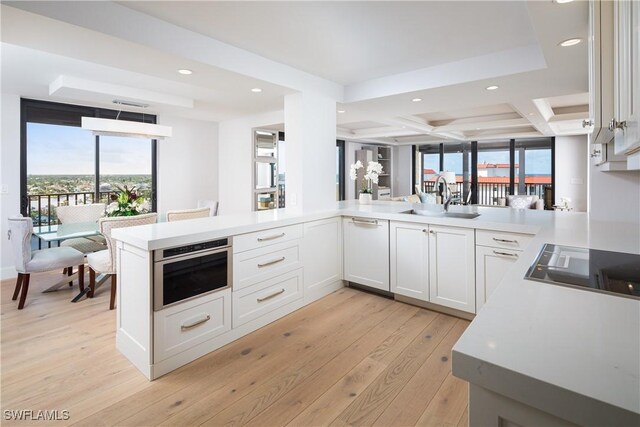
275	261
275	294
365	221
596	153
586	123
505	254
432	232
505	240
193	325
614	124
276	236
424	230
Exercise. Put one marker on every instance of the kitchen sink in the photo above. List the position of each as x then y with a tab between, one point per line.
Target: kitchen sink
442	214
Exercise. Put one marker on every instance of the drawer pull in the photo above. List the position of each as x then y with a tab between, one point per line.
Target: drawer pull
505	240
275	294
505	254
193	325
275	236
365	221
275	261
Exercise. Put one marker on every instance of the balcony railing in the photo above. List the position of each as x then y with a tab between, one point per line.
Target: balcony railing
42	206
490	193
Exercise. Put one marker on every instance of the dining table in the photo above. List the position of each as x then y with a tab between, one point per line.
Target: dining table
52	233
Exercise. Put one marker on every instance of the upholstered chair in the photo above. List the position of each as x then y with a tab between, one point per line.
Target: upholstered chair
83	213
188	214
524	202
28	261
213	204
104	262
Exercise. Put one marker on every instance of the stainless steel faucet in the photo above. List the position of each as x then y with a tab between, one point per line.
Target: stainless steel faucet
446	200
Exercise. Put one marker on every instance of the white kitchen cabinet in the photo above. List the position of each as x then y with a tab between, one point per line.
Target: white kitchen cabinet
409	252
322	255
600	71
452	267
491	266
366	252
626	18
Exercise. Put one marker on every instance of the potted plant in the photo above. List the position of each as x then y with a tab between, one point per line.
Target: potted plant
127	203
373	171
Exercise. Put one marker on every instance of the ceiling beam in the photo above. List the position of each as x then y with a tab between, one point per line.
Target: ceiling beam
479	125
421	127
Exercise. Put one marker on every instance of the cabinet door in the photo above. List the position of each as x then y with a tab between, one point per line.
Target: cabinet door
366	252
409	249
600	70
452	267
491	266
627	75
322	254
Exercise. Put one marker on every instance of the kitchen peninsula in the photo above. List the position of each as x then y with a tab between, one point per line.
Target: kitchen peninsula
529	344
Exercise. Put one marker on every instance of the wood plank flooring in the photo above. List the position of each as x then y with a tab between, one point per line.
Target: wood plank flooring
351	358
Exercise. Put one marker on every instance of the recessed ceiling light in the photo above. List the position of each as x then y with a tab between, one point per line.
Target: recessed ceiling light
570	42
531	114
341	111
185	71
256	90
416	99
494	87
563	1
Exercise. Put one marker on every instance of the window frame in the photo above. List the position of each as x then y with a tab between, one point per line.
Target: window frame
56	113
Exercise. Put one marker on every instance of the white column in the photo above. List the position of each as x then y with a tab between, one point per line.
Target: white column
310	133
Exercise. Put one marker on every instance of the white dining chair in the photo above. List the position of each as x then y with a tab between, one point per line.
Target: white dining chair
104	262
28	261
213	204
83	213
182	215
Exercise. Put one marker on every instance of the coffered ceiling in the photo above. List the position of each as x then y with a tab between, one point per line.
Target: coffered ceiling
373	58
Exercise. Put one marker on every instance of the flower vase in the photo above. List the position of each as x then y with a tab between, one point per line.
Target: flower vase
365	198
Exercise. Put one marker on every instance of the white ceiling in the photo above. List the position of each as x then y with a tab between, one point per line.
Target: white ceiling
353	41
381	54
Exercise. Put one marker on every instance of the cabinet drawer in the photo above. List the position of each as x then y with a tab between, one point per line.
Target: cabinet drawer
186	325
264	297
257	265
501	239
259	239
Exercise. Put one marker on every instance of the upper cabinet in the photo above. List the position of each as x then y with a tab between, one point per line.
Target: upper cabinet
614	77
626	18
600	71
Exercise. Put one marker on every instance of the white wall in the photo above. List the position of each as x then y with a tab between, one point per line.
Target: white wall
572	162
310	131
614	196
187	164
235	160
402	169
9	175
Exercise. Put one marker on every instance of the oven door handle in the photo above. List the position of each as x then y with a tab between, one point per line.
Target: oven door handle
198	323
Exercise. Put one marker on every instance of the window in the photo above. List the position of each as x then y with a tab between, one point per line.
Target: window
63	164
340	185
488	171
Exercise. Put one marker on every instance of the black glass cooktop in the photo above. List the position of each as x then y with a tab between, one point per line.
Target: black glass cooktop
604	271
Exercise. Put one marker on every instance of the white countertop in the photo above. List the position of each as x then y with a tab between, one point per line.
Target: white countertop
533	341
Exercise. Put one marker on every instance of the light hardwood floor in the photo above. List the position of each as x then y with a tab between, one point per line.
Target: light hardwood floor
350	358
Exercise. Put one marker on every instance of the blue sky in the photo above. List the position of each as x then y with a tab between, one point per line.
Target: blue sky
68	150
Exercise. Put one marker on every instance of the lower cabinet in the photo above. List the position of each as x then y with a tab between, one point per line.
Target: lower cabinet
182	326
491	266
452	267
366	252
262	298
409	250
322	256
